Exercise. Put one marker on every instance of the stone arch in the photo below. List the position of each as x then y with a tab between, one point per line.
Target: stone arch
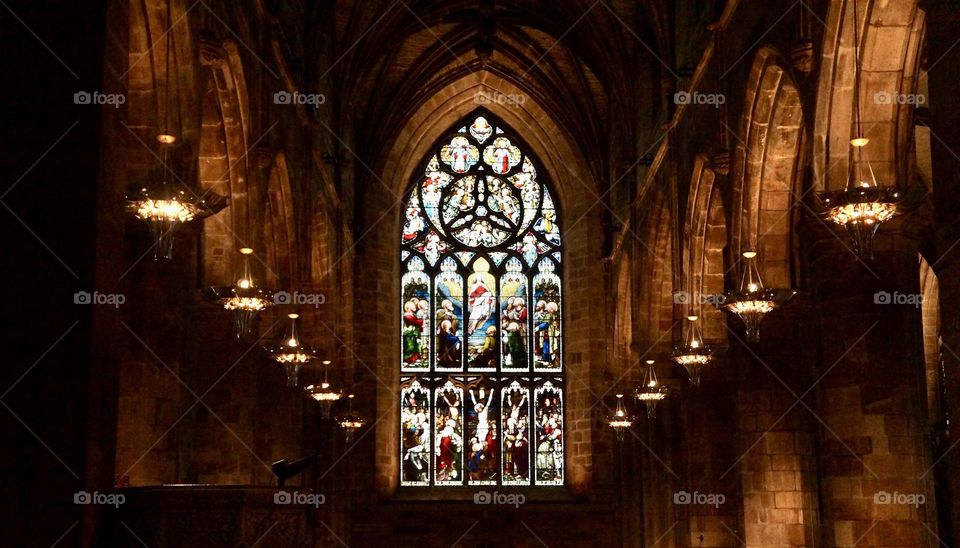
705	241
378	249
223	160
657	266
891	38
930	314
769	160
279	227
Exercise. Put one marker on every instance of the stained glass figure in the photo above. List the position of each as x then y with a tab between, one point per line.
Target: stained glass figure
548	411
449	317
546	317
415	337
514	319
501	155
448	418
515	418
482	333
481	323
481	129
460	155
483	440
415	430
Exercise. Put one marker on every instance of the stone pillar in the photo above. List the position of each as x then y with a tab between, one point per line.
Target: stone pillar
874	445
777	466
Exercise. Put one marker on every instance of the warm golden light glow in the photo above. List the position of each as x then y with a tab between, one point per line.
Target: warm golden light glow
166	138
859	141
250	304
165	210
868	213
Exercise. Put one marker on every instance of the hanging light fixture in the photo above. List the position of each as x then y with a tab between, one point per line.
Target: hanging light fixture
350	422
163	207
620	420
752	301
290	352
693	355
323	393
243	298
863	205
651	392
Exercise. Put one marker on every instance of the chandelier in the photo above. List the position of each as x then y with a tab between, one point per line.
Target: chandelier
863	205
620	420
323	393
752	301
156	202
243	298
290	352
693	355
350	422
651	392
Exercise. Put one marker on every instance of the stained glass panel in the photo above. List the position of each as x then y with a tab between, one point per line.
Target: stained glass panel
516	435
548	411
481	315
448	418
415	448
483	465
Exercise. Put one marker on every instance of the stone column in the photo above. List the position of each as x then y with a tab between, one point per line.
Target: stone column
874	446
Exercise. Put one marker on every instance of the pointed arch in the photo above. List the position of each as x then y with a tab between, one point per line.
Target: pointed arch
768	179
223	157
481	307
891	37
705	235
279	226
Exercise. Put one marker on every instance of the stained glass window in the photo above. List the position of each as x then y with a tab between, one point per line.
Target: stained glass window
481	336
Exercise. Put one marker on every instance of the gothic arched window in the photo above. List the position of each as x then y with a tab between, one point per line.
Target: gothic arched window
481	336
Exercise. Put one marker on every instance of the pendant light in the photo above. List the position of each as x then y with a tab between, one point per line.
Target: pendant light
864	204
651	392
620	420
244	298
290	352
751	302
694	355
323	393
157	201
350	421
